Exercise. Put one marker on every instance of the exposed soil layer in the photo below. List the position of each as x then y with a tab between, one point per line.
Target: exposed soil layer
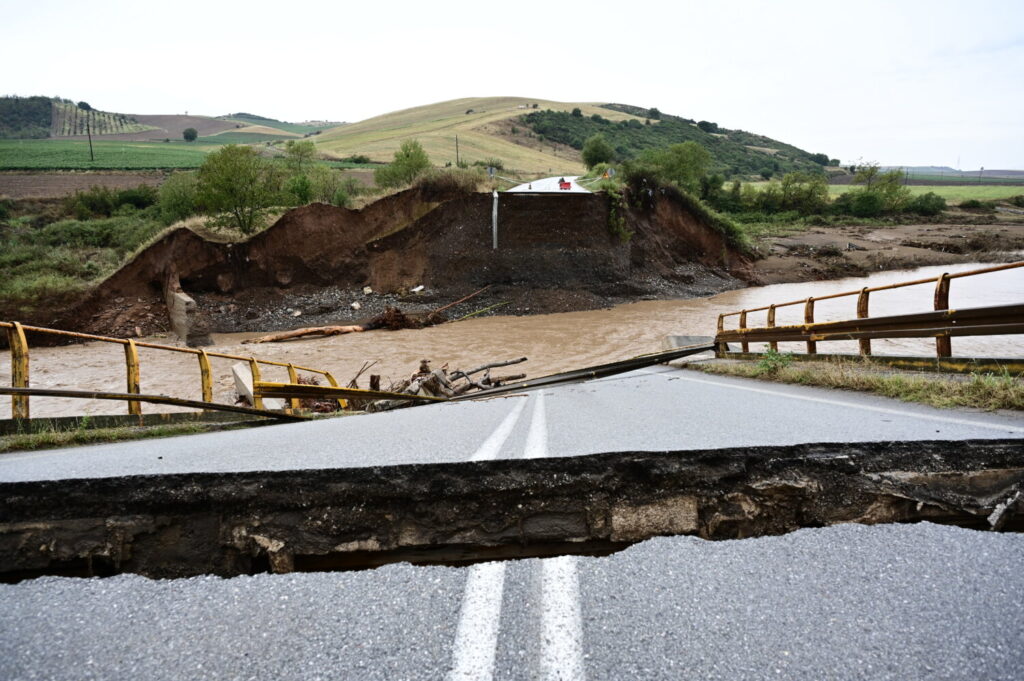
556	253
239	523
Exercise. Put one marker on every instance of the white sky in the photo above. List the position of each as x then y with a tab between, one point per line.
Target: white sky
907	82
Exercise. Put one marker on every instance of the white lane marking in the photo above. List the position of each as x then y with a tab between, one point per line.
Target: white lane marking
492	445
477	639
854	405
537	438
561	625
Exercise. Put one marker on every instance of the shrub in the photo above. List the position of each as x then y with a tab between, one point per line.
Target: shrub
348	189
142	196
1018	200
449	181
927	204
597	150
410	160
178	197
96	202
357	158
772	362
975	204
298	190
866	203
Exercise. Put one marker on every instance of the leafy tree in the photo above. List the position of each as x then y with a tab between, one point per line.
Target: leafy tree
577	113
866	174
190	134
299	190
299	155
654	113
179	197
84	106
597	150
684	164
238	185
766	173
820	159
708	126
410	161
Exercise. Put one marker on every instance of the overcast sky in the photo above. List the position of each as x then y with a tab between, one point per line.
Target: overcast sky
918	83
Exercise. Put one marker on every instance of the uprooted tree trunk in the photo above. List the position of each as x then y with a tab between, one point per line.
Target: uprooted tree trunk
441	383
392	318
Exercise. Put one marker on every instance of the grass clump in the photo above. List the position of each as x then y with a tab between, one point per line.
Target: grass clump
449	181
84	435
979	390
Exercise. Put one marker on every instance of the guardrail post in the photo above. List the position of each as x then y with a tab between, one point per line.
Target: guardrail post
812	346
19	369
743	324
774	345
205	376
342	403
131	359
254	369
943	343
862	313
293	376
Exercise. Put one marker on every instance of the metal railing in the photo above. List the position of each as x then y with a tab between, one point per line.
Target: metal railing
942	324
16	337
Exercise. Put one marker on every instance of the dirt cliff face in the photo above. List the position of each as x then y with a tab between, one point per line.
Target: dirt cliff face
546	243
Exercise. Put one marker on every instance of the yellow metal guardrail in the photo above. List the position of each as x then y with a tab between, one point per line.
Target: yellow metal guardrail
16	337
898	326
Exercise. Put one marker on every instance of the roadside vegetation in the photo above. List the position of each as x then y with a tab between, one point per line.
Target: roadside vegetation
981	390
86	435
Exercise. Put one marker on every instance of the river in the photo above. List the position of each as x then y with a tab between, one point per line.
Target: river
553	342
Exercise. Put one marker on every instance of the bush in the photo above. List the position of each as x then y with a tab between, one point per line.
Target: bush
190	134
1018	200
866	203
927	204
975	204
358	158
142	196
597	150
348	189
449	181
178	197
410	160
298	190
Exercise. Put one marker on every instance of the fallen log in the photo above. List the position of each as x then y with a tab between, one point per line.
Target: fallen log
392	318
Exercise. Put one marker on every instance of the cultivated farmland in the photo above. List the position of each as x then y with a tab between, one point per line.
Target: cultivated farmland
67	120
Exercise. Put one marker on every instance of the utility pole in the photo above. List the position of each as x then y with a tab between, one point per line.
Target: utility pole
88	129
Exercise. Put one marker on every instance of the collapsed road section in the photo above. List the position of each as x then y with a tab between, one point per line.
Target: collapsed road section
242	523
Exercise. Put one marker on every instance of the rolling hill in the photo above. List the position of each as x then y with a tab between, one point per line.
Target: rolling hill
539	136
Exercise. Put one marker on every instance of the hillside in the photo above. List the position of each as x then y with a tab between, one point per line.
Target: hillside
538	136
282	127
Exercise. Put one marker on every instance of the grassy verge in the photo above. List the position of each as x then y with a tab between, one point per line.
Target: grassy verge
84	436
981	391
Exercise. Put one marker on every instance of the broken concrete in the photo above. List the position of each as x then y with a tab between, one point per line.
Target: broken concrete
239	523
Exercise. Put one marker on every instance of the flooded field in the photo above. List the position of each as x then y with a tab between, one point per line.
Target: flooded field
552	343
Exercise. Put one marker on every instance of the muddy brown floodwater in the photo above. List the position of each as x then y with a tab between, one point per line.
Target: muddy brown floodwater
554	342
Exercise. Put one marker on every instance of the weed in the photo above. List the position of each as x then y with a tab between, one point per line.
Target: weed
772	362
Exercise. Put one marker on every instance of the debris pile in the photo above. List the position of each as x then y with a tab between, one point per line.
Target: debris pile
441	383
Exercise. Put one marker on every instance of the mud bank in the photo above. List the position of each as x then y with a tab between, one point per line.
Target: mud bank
555	253
231	524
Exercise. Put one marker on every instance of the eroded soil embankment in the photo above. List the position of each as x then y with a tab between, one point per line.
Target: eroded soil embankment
555	253
238	523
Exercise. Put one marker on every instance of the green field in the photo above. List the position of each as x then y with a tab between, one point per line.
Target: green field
952	193
74	155
241	138
296	128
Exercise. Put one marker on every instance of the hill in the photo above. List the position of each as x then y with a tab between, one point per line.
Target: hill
536	136
291	129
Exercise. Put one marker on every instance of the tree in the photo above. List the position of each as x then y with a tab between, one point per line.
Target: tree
84	106
597	150
190	134
684	164
239	185
410	161
299	155
577	112
708	126
654	113
178	197
820	159
866	174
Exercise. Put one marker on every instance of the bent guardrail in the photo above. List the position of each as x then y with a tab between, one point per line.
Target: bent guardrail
942	323
22	391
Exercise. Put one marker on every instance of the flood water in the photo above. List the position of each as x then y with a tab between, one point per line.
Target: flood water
554	342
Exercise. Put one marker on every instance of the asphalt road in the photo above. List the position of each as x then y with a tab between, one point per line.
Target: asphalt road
649	410
850	602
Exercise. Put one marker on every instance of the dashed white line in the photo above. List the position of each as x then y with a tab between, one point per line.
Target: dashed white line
492	445
537	438
561	625
477	638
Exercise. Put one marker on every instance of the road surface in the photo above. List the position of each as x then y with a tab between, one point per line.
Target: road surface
848	602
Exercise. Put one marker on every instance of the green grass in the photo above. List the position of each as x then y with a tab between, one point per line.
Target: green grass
296	128
952	193
82	436
241	138
980	391
53	154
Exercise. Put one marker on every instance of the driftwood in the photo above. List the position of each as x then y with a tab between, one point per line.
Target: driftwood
392	318
441	383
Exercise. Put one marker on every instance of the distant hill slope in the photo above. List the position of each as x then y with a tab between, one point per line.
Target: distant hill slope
481	125
536	135
304	128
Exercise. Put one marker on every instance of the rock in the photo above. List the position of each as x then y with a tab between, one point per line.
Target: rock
355	306
417	289
297	313
367	290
